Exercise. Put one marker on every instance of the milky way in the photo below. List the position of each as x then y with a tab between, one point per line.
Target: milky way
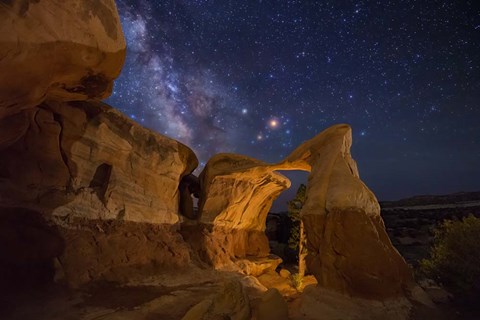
260	77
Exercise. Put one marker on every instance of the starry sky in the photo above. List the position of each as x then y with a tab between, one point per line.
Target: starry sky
260	77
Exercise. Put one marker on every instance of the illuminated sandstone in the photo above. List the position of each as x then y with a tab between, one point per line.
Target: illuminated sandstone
349	250
87	160
236	195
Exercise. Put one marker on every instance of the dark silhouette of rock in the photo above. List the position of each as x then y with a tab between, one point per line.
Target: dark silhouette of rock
189	185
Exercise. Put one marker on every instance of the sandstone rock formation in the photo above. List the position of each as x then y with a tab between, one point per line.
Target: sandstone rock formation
107	187
349	250
233	184
236	194
61	50
86	160
85	166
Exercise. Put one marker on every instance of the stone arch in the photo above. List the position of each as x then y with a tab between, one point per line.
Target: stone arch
349	250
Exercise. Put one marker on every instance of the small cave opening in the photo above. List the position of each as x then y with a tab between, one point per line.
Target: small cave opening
283	221
101	179
189	189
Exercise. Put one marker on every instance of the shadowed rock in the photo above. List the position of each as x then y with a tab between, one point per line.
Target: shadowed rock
189	185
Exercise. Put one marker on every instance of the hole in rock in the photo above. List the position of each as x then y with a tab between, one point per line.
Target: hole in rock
100	180
189	189
283	225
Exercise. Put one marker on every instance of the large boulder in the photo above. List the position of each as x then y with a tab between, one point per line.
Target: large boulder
60	50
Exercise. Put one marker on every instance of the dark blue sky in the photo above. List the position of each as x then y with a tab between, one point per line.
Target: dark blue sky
260	77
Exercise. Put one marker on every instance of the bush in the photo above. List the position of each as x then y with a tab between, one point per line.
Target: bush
297	281
455	255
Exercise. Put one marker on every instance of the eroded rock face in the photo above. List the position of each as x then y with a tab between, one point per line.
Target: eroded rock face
348	248
87	160
272	306
232	184
119	251
237	193
105	186
61	50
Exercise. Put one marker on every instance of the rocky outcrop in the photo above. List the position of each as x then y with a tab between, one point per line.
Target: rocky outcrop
86	160
105	186
84	165
61	50
85	193
348	248
233	184
236	194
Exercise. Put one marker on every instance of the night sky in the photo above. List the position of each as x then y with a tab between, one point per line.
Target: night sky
260	77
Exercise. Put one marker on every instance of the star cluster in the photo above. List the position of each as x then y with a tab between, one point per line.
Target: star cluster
260	77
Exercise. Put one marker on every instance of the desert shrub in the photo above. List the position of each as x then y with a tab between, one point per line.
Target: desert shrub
455	255
297	280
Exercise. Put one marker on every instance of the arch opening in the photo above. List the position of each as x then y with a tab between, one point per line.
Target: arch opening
283	225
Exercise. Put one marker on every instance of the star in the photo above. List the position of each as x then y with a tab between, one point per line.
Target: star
273	123
259	78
